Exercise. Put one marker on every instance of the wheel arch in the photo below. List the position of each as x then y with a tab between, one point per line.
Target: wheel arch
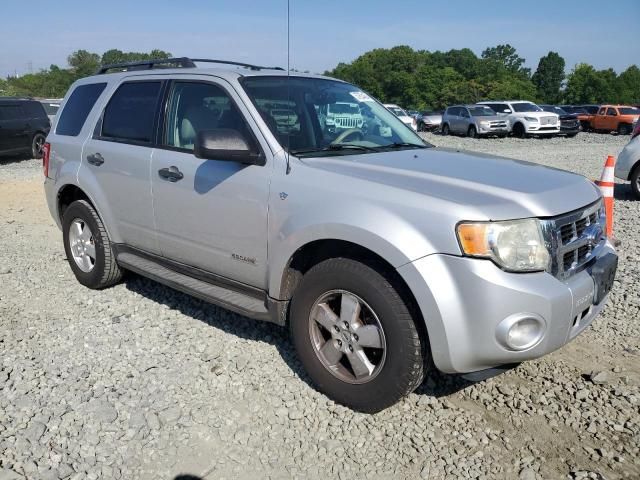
69	193
314	252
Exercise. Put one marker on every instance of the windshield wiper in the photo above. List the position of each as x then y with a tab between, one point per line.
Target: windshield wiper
334	147
401	145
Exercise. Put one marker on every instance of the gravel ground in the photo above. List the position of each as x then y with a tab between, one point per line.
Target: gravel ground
139	381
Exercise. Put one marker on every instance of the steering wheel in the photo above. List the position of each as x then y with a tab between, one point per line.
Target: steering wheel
346	134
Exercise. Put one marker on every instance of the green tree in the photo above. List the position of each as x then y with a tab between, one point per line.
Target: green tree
118	56
585	84
548	77
506	57
83	63
628	86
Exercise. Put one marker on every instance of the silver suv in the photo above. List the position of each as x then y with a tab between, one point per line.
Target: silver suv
384	256
473	121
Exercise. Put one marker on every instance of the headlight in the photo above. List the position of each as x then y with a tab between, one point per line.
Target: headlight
484	123
515	245
531	119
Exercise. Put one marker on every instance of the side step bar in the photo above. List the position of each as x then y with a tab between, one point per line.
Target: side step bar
267	309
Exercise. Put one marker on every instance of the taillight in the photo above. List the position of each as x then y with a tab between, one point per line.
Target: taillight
636	131
46	149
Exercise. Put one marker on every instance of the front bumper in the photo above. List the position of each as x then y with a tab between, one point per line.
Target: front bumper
627	159
464	300
535	129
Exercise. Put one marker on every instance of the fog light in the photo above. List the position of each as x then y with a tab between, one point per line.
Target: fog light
521	331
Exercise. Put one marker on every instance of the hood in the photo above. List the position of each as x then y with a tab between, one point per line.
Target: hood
472	186
569	116
432	118
491	118
535	114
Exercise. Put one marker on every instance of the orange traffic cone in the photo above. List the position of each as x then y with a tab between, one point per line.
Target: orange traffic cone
606	184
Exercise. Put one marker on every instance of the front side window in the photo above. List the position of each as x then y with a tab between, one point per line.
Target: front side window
77	108
313	116
130	114
195	107
611	112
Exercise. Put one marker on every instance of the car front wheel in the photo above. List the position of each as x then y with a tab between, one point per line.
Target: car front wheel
355	335
635	182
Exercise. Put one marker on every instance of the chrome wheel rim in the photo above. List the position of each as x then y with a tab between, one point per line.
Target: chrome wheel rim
347	337
82	245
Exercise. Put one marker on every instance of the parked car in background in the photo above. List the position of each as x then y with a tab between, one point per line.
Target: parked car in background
413	113
429	120
24	126
569	122
591	110
526	118
584	117
619	118
628	162
473	121
51	106
404	117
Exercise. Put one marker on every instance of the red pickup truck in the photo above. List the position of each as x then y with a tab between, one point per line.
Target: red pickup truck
618	118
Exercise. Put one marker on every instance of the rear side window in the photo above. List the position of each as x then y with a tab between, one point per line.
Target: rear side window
34	110
130	114
10	112
77	108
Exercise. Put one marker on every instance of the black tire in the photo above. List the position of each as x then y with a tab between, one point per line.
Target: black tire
445	129
403	368
635	181
472	132
105	271
571	135
420	127
519	130
624	129
37	143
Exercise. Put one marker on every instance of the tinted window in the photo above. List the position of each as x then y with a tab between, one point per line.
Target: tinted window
194	107
629	111
612	112
77	108
10	112
526	107
51	108
131	111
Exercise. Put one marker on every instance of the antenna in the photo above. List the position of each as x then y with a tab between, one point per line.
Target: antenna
288	75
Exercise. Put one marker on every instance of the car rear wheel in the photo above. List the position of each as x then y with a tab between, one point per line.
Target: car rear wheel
37	145
445	129
472	132
635	182
88	247
624	129
355	335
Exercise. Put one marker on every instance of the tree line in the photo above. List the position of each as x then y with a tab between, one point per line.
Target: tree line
417	79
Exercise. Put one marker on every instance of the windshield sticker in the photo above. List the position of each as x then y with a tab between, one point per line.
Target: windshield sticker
361	96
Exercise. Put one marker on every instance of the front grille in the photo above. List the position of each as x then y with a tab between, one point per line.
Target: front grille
498	125
347	122
548	121
574	239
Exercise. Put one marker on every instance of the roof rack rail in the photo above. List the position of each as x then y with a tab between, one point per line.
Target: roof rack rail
181	62
238	64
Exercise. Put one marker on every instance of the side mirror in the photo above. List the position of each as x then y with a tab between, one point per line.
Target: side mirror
226	144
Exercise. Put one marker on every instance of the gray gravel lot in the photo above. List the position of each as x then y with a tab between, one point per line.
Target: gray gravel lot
139	381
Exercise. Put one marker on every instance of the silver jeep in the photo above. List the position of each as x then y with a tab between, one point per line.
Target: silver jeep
384	256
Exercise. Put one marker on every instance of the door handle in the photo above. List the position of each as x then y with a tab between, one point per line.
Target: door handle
95	159
171	174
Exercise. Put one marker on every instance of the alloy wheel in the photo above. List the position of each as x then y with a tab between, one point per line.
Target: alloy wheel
82	245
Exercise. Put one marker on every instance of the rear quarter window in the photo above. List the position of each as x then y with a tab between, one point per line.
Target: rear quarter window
77	108
34	110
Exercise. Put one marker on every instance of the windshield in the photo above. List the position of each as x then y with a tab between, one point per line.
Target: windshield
629	111
526	107
398	112
481	112
326	117
554	109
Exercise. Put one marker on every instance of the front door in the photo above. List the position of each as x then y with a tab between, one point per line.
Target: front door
210	214
118	155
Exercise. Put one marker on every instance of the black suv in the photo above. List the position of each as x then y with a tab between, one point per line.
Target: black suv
24	125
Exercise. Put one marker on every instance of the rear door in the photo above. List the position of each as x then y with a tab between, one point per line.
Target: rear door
215	216
118	155
14	132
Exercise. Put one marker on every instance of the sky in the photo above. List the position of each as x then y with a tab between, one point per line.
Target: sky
323	32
